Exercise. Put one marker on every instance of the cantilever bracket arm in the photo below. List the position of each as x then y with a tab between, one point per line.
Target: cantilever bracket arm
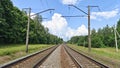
42	11
75	16
78	9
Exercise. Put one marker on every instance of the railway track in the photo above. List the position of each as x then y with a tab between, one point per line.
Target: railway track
30	61
83	61
55	57
80	60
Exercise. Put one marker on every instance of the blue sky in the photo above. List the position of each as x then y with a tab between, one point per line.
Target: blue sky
68	27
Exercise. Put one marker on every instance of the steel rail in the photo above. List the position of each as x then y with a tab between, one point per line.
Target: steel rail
15	62
89	58
74	59
43	59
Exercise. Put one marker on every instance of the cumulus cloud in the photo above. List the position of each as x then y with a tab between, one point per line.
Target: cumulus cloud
70	1
82	30
58	26
105	14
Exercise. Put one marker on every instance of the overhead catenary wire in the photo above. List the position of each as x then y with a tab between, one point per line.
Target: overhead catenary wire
41	4
46	3
69	11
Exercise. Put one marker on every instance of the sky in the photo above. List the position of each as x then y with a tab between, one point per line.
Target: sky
67	27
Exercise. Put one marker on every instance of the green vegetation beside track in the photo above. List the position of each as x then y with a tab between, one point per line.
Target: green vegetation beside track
13	51
105	55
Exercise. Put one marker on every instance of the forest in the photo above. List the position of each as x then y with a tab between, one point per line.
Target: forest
103	37
13	26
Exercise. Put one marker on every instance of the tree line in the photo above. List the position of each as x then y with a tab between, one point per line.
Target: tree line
13	26
103	37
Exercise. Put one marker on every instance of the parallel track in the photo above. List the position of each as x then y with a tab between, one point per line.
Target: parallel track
80	59
30	61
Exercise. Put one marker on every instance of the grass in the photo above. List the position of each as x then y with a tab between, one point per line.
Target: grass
109	52
106	54
10	49
13	51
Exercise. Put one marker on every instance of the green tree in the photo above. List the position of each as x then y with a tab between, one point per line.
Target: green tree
101	38
13	25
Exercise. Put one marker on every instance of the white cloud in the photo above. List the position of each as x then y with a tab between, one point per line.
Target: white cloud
32	15
58	26
70	1
93	17
82	30
105	14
